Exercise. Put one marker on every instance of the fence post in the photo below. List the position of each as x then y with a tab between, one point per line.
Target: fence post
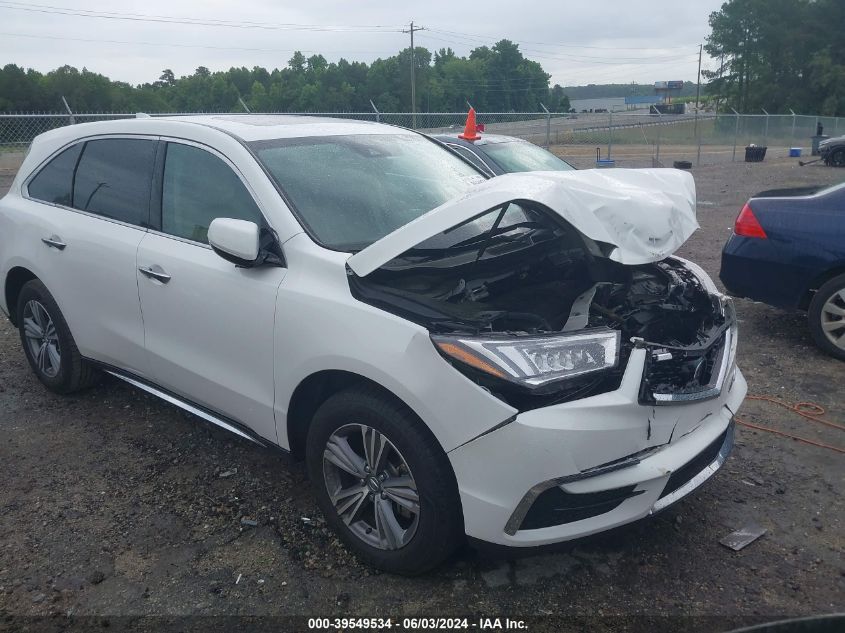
792	135
698	152
659	128
609	132
736	134
766	132
835	125
548	125
375	109
69	111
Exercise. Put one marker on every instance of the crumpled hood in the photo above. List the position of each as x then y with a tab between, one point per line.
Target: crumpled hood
646	214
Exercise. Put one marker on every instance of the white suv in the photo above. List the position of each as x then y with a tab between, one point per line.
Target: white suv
521	359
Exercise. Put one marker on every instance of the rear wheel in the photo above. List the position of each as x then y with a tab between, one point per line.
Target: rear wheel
827	317
47	342
383	482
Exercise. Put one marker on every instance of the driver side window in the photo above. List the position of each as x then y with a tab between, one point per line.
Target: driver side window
197	188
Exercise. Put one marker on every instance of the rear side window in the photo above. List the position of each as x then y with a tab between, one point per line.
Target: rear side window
54	183
113	179
197	188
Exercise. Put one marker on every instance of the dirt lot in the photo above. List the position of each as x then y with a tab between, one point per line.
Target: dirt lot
116	504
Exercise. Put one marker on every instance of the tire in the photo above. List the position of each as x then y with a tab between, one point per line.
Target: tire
836	158
419	541
60	367
827	309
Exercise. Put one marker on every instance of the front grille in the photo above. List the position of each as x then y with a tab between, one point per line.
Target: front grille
686	375
695	465
556	507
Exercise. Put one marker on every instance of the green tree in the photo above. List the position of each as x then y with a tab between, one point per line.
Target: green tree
777	55
495	78
167	77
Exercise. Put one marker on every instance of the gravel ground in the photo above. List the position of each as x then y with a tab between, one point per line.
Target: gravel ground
117	504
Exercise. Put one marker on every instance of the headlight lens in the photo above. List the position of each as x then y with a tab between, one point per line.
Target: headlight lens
535	361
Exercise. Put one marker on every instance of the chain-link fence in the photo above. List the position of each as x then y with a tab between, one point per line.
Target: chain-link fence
630	139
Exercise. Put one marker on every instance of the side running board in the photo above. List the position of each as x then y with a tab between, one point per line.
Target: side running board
232	427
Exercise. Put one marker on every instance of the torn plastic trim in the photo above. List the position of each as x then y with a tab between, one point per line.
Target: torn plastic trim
644	215
705	279
725	337
714	388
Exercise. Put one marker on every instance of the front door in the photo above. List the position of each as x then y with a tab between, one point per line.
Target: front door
208	325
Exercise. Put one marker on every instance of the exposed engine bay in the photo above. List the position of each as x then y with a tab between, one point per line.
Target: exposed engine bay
520	271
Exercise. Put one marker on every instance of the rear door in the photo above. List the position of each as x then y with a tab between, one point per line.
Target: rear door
88	210
208	324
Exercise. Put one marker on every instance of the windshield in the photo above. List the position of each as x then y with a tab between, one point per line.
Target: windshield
349	191
515	156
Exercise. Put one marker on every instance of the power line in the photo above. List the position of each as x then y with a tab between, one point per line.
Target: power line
141	17
561	45
224	48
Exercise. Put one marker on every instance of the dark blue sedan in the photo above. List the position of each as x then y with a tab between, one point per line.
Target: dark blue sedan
788	250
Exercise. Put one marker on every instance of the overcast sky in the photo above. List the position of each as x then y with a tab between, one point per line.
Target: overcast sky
577	42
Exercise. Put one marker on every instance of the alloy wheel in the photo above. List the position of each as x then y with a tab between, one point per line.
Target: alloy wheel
42	338
371	486
833	319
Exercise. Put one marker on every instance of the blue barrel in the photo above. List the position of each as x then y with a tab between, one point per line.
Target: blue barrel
794	152
605	162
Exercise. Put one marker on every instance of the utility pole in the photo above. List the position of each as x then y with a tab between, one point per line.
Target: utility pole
412	30
697	94
698	87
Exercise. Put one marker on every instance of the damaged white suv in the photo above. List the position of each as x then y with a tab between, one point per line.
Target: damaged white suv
520	360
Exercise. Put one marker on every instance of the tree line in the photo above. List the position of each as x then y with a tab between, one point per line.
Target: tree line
779	54
493	79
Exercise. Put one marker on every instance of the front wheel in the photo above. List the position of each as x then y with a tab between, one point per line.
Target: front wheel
383	482
836	158
827	317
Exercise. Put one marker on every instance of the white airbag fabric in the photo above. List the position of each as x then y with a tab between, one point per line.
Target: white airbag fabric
646	214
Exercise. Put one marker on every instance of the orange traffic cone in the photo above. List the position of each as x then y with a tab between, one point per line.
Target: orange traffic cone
470	131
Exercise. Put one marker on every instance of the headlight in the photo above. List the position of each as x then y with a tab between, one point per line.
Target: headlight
534	361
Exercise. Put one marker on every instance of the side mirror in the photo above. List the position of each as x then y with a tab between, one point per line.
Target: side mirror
236	241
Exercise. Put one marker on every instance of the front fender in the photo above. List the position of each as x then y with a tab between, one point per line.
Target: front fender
391	352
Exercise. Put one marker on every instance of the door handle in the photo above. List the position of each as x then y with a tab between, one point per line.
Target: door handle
155	272
54	241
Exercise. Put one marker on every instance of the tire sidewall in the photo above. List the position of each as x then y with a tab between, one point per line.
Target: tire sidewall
438	494
37	291
814	315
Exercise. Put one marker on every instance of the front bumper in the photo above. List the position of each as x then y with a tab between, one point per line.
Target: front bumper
619	454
